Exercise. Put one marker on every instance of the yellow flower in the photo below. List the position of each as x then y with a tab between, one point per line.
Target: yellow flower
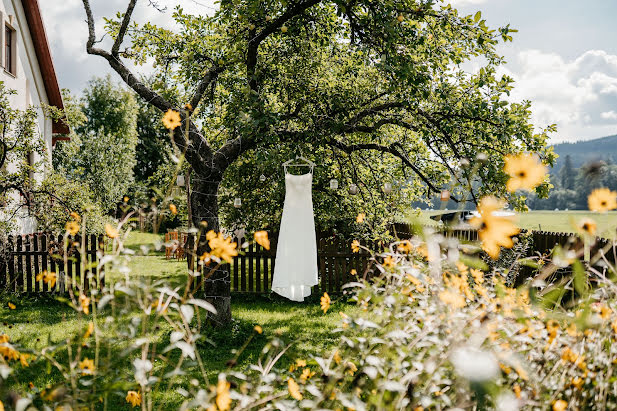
560	405
325	302
389	262
300	363
111	231
587	226
126	199
84	302
494	231
72	227
23	359
602	199
351	368
360	218
405	247
89	331
337	357
171	119
294	389
75	216
577	382
133	398
261	237
223	399
525	171
258	329
306	375
353	271
452	298
355	246
86	366
47	277
12	306
173	209
221	246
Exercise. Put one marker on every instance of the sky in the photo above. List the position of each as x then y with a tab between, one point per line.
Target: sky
563	59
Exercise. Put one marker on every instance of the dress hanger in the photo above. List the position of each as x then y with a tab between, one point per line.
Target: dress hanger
305	163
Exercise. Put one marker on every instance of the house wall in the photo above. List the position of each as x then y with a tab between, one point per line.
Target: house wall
27	82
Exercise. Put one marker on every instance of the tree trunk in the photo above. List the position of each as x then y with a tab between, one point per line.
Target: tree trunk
204	208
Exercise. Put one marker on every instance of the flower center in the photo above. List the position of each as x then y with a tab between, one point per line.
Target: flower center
522	174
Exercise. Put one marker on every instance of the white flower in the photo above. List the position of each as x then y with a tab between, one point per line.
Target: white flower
142	367
475	364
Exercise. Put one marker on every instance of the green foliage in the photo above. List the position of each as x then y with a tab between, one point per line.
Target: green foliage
69	196
102	153
22	155
355	86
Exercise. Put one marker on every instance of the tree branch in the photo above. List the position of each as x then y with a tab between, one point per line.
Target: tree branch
125	24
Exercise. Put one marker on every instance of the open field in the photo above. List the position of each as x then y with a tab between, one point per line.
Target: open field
547	220
37	319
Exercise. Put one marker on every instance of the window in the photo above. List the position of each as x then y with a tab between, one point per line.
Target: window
9	50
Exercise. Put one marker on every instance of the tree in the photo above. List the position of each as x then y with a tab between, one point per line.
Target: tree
102	150
567	174
367	80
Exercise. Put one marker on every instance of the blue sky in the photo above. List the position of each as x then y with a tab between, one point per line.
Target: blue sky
564	57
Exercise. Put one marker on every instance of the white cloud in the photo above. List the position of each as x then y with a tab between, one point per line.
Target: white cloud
578	95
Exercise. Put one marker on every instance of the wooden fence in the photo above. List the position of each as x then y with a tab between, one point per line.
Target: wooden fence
251	272
25	257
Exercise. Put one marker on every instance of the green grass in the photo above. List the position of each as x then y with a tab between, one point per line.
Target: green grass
545	220
38	319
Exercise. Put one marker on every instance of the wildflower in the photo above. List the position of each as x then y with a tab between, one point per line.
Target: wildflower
75	216
221	246
577	382
353	272
23	359
560	405
405	246
84	302
12	306
294	389
337	357
360	218
261	237
89	331
525	172
188	107
111	231
568	355
587	226
72	227
389	262
517	390
258	329
300	363
133	398
171	119
602	199
173	209
355	246
306	375
325	302
351	368
125	199
223	399
86	366
494	231
47	277
452	298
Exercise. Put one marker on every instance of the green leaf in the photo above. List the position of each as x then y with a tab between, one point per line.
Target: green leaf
477	16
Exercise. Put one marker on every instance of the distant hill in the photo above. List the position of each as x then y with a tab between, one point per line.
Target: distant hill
582	152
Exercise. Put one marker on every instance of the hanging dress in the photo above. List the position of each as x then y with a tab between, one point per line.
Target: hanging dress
295	268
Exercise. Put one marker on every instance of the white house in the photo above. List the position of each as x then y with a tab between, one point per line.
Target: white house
27	67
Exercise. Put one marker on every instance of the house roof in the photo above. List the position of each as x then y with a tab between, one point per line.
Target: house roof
46	64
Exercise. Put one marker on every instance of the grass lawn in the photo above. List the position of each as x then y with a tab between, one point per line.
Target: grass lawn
546	220
37	319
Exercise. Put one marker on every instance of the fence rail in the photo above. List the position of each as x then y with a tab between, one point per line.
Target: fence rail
25	257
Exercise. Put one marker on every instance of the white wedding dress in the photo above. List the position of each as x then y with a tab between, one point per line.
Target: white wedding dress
295	267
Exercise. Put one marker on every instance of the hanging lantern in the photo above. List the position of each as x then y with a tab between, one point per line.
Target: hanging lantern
180	180
353	189
445	195
334	184
387	188
238	202
262	178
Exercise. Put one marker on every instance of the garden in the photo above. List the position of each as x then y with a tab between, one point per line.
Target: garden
234	231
